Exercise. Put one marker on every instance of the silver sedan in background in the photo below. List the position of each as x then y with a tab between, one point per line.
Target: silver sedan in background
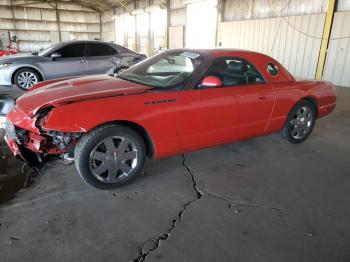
71	58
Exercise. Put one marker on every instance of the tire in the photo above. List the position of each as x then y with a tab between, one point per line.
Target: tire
119	70
300	122
98	150
25	78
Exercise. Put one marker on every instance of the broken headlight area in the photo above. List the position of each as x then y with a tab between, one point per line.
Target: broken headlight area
55	140
16	133
24	144
47	142
42	116
32	144
35	142
63	139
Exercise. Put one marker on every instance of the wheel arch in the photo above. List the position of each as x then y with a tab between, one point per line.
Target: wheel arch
29	67
312	100
150	148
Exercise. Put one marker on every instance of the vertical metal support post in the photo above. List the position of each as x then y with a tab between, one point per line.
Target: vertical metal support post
58	21
13	16
325	38
14	26
220	14
137	46
150	38
100	16
168	14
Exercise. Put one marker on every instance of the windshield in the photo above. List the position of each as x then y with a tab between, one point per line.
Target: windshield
47	50
165	70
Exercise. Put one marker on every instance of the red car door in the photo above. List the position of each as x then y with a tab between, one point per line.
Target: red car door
238	109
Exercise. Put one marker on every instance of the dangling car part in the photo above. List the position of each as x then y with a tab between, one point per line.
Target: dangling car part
174	102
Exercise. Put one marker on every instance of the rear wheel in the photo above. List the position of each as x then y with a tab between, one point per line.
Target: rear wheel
25	78
110	156
300	122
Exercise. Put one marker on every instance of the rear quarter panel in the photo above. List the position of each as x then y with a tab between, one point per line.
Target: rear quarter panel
289	94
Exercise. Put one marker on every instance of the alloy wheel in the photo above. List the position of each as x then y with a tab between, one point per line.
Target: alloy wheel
27	79
301	123
113	159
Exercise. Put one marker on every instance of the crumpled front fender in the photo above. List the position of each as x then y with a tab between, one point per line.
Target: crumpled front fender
18	118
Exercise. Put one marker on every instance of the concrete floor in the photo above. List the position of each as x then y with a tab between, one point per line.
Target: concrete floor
258	200
12	91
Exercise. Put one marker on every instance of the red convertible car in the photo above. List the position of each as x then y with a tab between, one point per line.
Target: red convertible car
177	101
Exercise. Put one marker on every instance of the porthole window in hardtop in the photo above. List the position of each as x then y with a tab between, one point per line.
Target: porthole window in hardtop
272	69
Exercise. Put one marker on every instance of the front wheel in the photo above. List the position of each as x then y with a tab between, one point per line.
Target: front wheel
110	156
25	78
300	122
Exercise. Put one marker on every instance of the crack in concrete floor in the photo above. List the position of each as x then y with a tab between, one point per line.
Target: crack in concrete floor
201	184
152	244
149	246
249	204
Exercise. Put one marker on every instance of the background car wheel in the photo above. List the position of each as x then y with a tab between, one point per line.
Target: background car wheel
300	122
25	78
110	156
120	70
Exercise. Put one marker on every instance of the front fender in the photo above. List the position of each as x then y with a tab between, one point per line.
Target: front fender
159	120
31	66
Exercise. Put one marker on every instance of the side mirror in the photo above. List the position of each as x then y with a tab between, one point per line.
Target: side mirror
54	56
211	81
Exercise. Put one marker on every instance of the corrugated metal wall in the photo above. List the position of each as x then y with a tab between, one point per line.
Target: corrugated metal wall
201	26
125	26
108	27
176	36
338	56
291	32
36	27
142	27
142	33
294	41
254	9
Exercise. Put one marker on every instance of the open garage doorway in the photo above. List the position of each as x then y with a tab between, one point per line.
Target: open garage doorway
201	24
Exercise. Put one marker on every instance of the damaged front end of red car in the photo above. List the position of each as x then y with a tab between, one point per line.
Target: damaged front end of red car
30	141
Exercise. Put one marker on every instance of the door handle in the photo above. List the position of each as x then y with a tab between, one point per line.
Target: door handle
262	97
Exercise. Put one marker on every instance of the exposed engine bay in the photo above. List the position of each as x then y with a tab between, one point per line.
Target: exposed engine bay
33	146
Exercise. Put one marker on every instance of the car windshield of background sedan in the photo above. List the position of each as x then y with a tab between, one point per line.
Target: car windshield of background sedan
165	70
47	50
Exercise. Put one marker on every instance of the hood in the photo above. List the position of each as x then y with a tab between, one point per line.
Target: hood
76	90
15	57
